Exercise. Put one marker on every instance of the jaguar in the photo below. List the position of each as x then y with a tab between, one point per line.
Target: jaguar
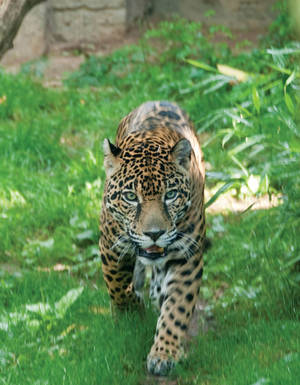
152	217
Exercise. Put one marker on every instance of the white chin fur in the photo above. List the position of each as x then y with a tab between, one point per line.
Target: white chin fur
149	262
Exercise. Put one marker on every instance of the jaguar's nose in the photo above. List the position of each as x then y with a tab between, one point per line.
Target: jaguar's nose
154	235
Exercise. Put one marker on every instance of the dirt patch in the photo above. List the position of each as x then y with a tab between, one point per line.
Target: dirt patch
10	268
65	58
58	67
227	203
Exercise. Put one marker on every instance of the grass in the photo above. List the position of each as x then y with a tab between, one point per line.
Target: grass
81	348
55	320
72	350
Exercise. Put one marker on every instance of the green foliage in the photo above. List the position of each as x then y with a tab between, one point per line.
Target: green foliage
262	137
73	339
51	173
256	353
34	315
282	29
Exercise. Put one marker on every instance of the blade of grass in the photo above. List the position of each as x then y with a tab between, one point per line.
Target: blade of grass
228	185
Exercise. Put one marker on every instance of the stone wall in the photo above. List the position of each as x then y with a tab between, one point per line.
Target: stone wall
78	22
236	14
85	24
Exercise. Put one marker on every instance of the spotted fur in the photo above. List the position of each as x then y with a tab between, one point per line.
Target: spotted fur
153	214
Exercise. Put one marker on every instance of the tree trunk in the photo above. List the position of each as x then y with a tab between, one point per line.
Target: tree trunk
12	13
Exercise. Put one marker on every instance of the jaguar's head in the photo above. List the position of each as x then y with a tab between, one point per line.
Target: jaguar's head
148	192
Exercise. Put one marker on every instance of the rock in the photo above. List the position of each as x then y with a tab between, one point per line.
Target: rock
85	25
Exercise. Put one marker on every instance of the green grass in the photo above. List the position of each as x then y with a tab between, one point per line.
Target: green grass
88	346
51	181
259	352
78	349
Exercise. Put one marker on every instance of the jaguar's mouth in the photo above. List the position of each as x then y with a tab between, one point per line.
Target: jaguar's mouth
153	252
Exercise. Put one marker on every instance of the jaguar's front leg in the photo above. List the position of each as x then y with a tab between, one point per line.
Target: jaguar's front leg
178	298
118	276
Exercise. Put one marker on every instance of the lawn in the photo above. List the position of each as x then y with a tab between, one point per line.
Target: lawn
55	321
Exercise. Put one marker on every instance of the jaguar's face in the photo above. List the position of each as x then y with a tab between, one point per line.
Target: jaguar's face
148	192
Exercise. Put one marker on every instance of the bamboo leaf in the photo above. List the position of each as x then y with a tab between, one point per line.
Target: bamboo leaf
222	190
290	79
201	65
283	51
239	164
248	143
66	301
282	70
40	308
217	175
239	75
227	137
256	100
237	118
216	86
289	103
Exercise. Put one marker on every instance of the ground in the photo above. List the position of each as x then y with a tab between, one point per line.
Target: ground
61	61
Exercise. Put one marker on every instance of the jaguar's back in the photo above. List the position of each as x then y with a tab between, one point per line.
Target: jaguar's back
159	114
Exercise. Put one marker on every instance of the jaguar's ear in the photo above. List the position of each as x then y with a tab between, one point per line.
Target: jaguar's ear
111	160
181	153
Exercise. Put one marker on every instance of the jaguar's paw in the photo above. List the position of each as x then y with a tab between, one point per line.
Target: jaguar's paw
159	365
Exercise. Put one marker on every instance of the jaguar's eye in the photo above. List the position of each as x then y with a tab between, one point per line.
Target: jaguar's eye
130	196
171	195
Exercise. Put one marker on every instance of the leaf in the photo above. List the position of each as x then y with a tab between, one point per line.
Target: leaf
88	234
239	75
256	100
237	118
238	163
282	69
66	301
3	326
287	98
73	221
77	222
290	79
217	85
247	208
227	137
210	120
215	175
47	244
253	183
271	85
222	190
40	308
248	143
293	261
202	65
262	381
6	358
295	145
289	103
283	51
195	87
